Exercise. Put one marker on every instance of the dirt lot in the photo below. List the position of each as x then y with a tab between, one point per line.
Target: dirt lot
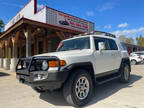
110	95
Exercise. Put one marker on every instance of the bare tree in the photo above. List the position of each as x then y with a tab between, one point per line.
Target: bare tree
126	39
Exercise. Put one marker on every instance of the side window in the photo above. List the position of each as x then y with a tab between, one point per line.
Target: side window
112	44
123	46
97	40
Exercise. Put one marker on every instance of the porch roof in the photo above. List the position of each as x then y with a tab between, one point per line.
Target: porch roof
24	21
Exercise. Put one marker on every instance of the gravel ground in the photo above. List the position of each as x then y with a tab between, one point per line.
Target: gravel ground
109	95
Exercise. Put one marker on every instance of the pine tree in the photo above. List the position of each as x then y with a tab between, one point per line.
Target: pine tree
1	26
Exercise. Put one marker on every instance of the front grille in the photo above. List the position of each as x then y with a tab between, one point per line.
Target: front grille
31	64
36	65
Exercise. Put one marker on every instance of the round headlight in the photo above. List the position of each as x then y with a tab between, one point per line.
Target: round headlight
44	65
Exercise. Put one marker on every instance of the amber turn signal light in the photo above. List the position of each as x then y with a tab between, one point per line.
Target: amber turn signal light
55	63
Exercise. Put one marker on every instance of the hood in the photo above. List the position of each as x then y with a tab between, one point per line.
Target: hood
67	53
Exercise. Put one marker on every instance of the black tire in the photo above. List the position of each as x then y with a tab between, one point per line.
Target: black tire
69	89
133	62
125	73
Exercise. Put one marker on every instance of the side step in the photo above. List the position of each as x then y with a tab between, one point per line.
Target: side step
106	80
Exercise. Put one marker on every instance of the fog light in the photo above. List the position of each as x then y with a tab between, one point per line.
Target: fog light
38	77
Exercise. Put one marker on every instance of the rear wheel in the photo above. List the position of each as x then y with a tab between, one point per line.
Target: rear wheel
125	73
78	89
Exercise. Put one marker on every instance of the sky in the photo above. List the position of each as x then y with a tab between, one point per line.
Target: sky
121	17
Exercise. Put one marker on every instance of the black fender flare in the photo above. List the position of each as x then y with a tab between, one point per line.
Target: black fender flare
127	61
83	65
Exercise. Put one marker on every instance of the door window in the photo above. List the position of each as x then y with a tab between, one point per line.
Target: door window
112	44
97	40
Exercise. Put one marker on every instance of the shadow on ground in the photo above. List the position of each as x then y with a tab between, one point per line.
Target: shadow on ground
100	92
2	74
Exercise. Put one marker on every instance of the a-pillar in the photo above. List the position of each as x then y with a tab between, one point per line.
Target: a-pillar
6	61
27	33
14	59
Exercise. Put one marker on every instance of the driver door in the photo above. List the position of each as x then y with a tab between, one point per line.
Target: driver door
103	59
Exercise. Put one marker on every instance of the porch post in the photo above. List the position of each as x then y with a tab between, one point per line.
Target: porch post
44	45
27	33
6	62
49	45
0	50
20	46
15	43
35	46
1	60
14	59
6	49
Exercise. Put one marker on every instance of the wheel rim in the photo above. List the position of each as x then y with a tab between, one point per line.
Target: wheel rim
133	62
82	88
126	73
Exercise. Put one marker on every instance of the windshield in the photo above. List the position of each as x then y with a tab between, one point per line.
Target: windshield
73	44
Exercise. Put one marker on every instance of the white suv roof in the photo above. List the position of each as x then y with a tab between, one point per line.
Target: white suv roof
95	34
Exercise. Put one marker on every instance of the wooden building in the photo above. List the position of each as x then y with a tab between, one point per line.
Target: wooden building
33	32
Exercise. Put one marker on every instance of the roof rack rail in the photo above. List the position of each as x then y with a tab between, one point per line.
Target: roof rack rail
104	33
98	33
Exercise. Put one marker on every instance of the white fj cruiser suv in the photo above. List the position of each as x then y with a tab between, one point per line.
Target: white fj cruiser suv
77	66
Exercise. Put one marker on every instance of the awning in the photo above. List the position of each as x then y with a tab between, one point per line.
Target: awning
24	21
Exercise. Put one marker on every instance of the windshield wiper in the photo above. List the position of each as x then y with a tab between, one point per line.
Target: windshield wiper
70	49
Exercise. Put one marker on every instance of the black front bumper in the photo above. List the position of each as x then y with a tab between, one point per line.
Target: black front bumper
52	82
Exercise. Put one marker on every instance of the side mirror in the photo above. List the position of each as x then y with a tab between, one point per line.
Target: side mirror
101	46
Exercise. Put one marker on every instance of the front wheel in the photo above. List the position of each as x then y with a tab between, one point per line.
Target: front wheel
78	89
